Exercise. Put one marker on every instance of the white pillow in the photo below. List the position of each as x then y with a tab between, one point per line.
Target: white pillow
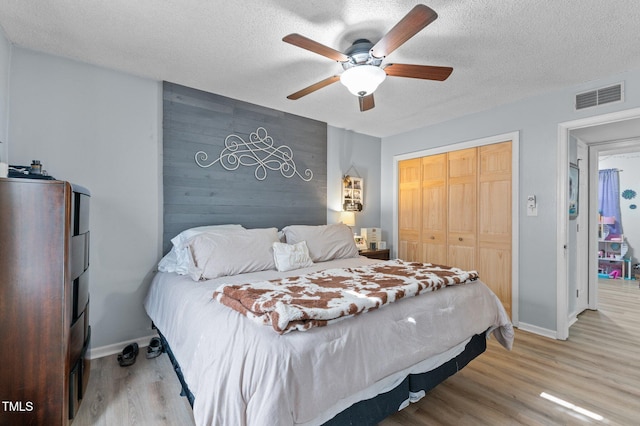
325	242
219	254
179	259
181	239
291	256
169	263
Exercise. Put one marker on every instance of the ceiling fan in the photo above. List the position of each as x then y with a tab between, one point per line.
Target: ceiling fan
362	61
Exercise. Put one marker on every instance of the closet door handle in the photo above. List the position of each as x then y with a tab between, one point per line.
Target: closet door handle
459	238
432	237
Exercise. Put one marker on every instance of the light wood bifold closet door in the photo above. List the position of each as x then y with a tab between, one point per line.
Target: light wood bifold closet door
455	209
409	209
463	206
434	220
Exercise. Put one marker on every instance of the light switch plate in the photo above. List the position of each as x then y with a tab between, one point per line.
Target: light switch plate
532	206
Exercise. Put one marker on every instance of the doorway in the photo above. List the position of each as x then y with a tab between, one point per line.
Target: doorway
614	154
603	133
620	160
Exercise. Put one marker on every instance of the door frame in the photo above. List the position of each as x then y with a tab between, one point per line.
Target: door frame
514	137
563	320
584	231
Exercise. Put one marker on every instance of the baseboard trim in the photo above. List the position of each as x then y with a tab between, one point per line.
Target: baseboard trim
115	348
572	320
538	330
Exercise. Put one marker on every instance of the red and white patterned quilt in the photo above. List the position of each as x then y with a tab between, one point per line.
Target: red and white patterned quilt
320	298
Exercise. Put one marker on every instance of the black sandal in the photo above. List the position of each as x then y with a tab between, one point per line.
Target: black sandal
128	355
155	348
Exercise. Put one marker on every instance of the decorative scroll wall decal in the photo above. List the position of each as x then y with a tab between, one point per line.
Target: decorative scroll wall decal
260	152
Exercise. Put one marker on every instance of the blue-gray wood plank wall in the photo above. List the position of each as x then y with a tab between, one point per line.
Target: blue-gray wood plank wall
194	121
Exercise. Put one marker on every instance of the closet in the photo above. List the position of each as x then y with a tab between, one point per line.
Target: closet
454	209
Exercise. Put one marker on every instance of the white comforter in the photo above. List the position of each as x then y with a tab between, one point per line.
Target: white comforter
242	373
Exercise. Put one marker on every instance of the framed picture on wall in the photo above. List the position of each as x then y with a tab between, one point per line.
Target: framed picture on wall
574	181
352	194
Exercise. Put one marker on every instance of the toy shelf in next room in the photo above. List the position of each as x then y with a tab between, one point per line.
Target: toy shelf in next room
611	257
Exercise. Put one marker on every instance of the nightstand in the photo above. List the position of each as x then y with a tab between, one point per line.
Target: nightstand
382	254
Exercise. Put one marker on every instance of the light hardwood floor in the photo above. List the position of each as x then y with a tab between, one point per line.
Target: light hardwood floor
597	369
146	393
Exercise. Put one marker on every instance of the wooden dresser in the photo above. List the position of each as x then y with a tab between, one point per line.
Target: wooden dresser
44	300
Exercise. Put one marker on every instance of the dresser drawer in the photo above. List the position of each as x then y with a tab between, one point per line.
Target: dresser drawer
80	294
80	213
77	339
74	390
78	380
79	254
85	368
87	327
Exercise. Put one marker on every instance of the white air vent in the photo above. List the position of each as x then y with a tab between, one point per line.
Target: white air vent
597	97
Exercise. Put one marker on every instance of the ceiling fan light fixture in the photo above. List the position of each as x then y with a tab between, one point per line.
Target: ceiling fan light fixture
362	80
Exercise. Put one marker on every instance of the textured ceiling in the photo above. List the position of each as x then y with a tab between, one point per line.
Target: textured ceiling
501	51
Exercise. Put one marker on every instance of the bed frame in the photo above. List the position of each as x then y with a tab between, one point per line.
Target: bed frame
374	410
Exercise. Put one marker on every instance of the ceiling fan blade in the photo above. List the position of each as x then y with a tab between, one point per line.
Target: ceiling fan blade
426	72
414	21
316	86
315	47
366	102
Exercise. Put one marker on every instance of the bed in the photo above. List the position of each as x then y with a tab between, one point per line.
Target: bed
356	370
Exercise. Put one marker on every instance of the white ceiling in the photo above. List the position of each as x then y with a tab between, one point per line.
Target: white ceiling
501	51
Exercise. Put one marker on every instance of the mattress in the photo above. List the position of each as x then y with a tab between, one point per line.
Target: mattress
244	373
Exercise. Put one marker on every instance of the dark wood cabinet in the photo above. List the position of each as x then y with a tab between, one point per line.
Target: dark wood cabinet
44	300
382	254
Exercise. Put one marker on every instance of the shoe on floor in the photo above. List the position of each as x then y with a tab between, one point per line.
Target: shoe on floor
128	355
155	348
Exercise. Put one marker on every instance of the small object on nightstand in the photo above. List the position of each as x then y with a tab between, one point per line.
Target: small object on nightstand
375	254
360	242
371	235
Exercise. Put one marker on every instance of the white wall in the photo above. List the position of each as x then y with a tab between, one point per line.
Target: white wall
5	61
537	120
100	129
345	149
629	179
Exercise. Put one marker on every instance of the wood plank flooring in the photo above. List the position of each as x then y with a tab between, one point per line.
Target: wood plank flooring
146	393
597	369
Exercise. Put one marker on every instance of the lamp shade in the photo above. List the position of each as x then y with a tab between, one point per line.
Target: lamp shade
362	80
348	218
